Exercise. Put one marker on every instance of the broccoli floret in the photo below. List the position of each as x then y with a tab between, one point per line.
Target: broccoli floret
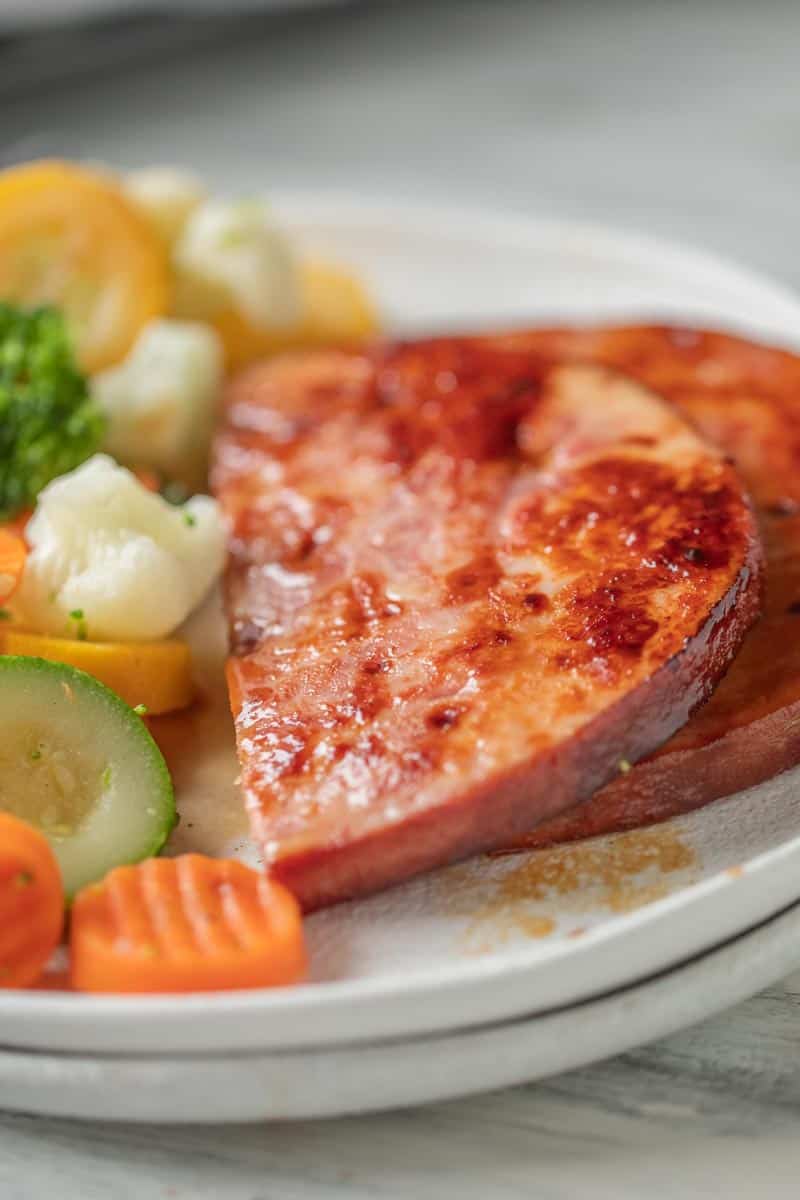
48	422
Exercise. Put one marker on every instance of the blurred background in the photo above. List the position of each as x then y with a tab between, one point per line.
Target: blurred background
674	118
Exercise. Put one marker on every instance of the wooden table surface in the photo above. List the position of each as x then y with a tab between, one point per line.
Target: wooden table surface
673	118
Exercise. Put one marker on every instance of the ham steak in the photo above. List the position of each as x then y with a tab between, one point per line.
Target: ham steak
465	585
745	398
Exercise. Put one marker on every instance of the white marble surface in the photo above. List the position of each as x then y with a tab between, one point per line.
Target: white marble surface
707	1113
674	118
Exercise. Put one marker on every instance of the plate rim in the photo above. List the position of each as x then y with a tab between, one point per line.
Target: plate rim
568	1039
295	207
23	1013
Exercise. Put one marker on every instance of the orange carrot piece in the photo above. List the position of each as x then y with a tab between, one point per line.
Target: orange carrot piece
148	479
187	924
13	553
19	523
31	903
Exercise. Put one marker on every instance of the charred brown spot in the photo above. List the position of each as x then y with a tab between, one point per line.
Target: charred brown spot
794	608
304	546
634	512
609	619
640	439
473	581
360	603
712	554
371	693
785	507
535	601
247	635
644	493
461	397
623	631
376	666
445	718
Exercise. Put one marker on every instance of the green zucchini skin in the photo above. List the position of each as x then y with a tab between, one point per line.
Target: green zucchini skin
83	767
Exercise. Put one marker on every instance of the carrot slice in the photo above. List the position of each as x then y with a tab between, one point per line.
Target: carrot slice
187	924
13	553
148	479
31	903
19	523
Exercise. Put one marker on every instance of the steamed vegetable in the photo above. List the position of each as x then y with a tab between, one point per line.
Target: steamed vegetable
31	903
48	421
160	402
167	196
185	924
112	561
335	309
234	269
233	255
69	237
78	764
155	675
13	553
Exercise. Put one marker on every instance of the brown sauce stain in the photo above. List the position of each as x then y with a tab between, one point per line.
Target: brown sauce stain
619	874
496	928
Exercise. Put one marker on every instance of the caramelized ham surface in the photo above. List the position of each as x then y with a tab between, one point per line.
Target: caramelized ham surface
465	584
745	398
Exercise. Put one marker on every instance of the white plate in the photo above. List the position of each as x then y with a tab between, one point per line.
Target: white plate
371	1077
463	947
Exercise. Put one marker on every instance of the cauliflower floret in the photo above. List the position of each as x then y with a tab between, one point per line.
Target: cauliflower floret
118	559
160	401
233	254
166	195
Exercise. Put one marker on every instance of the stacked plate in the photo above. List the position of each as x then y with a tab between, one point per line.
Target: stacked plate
500	970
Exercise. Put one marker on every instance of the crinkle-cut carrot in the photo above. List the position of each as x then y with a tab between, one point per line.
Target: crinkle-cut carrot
13	553
31	903
187	924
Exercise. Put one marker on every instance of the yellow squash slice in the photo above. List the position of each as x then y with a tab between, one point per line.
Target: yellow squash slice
336	310
69	237
157	675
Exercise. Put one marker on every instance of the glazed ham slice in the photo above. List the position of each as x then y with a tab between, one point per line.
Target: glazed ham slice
745	398
464	587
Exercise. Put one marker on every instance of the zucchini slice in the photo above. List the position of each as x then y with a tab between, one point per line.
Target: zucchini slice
80	765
